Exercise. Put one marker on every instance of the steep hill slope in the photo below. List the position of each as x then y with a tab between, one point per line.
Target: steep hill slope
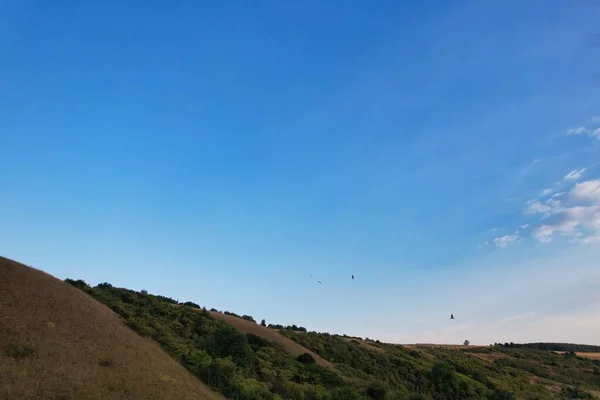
57	342
243	360
269	334
246	361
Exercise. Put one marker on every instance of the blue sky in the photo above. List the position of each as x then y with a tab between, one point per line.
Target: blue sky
446	153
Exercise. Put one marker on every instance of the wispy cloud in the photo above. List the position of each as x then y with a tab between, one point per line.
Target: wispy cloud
575	215
584	130
575	174
580	130
524	226
536	207
505	240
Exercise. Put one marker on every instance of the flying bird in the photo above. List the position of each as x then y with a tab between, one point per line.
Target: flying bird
352	276
452	316
320	282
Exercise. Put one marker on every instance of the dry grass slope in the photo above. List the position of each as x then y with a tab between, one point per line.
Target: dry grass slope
57	342
268	334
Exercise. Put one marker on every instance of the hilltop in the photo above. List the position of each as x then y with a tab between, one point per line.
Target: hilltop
242	359
58	342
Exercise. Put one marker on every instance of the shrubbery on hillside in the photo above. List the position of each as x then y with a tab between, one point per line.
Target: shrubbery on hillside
586	348
246	366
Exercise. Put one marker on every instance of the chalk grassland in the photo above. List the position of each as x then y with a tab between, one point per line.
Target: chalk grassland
57	342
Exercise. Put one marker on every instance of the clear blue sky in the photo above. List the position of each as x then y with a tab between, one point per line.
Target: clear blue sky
223	153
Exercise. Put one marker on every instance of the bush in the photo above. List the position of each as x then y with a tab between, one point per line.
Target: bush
79	284
191	304
19	352
248	318
106	362
501	395
377	391
306	358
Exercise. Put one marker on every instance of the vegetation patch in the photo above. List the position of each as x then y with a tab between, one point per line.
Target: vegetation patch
19	352
248	366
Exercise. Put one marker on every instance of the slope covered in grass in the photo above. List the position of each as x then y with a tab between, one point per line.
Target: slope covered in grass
496	371
271	335
241	359
57	342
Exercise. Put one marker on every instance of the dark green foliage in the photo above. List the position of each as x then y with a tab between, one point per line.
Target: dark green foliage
241	366
246	366
79	284
248	318
106	362
288	328
231	313
191	304
377	390
585	348
499	394
306	358
575	393
19	352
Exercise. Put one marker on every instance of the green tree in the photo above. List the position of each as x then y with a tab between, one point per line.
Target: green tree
263	322
500	394
306	358
377	390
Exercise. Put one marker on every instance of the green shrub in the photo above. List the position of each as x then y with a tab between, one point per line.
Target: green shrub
19	352
306	358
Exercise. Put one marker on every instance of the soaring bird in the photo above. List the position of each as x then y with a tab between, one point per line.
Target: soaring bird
452	316
320	282
352	276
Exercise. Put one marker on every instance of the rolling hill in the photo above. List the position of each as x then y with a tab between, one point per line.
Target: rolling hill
60	341
57	342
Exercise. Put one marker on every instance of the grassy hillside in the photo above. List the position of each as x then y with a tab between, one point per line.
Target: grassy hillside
272	335
244	360
59	343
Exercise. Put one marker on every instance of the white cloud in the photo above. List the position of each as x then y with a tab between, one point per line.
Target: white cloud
580	130
576	215
524	226
546	192
575	174
505	240
535	207
586	191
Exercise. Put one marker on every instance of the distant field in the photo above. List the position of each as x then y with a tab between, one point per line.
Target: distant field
591	356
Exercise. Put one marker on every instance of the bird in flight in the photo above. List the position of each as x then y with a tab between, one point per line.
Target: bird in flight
352	276
320	282
452	316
